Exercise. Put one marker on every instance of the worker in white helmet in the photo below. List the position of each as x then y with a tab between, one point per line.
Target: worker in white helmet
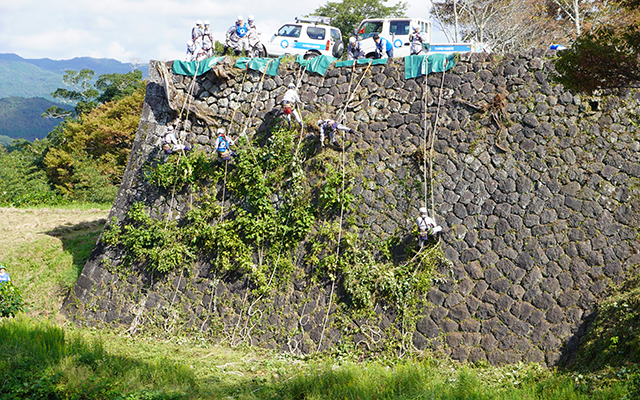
419	42
332	127
197	31
237	37
207	40
253	38
289	101
427	226
191	51
354	51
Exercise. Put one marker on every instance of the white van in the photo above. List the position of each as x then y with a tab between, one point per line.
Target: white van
396	31
310	36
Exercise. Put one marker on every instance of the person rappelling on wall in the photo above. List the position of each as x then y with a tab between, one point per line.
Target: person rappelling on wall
223	146
171	144
289	101
332	127
427	226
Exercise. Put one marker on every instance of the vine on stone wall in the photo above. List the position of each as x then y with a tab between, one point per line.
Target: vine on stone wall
277	190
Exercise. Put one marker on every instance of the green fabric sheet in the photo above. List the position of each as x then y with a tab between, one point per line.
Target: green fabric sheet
189	67
271	65
317	64
361	61
415	66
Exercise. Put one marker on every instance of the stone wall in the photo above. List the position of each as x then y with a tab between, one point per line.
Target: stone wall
536	189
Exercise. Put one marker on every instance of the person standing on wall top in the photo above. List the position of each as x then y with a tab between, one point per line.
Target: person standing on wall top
222	146
237	37
354	51
4	277
418	42
207	40
333	127
289	101
191	51
253	35
197	31
427	226
383	46
242	31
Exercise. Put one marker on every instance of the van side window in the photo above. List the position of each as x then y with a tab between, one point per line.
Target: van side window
369	28
315	32
290	30
399	27
335	34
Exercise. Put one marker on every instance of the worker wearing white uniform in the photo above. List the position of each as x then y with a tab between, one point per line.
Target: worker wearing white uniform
427	226
289	101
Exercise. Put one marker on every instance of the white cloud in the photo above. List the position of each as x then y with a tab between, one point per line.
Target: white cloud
145	29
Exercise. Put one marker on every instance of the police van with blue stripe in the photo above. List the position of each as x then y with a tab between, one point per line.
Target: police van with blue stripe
309	36
396	31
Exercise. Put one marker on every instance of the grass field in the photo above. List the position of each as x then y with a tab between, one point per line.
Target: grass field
42	356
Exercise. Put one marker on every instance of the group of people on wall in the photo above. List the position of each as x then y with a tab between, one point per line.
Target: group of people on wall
417	38
241	36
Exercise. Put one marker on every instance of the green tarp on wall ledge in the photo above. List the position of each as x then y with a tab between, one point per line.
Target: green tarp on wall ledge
361	61
192	68
270	65
317	64
415	66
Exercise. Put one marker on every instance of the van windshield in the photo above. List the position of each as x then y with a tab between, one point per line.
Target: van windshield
399	28
367	29
290	30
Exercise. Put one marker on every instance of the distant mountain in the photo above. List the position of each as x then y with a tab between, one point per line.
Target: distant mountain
21	118
28	78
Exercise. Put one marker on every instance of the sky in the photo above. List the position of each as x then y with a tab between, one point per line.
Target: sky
137	30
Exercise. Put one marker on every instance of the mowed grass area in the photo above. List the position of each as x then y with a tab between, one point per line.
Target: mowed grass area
44	250
42	356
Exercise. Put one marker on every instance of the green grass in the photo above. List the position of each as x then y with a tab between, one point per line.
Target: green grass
40	359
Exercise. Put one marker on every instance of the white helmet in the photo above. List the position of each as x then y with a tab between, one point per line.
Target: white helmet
250	18
352	40
206	22
239	18
423	210
320	122
292	85
220	131
416	28
199	22
190	43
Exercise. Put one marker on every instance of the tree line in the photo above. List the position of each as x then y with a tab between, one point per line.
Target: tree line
83	158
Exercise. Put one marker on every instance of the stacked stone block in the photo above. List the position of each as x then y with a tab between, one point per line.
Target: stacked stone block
535	186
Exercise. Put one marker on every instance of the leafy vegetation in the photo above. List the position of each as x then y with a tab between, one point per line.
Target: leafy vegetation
10	300
605	58
83	158
42	360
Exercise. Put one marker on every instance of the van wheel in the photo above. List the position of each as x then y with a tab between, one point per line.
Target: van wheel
338	48
311	55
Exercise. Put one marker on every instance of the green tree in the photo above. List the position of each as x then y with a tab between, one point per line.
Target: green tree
604	59
88	156
348	14
118	86
83	95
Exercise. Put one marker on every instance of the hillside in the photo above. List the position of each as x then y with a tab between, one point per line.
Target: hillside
39	77
26	80
21	118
